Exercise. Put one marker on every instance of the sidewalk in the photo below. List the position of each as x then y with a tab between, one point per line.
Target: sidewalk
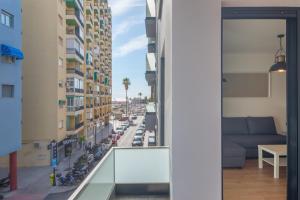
34	183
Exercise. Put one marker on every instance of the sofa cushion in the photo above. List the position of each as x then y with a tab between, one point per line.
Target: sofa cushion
234	126
261	125
231	149
251	141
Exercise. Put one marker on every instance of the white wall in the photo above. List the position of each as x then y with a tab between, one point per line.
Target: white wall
196	99
274	105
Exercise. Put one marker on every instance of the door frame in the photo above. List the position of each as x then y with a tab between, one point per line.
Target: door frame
292	16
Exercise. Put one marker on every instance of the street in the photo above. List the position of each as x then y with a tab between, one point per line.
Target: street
127	138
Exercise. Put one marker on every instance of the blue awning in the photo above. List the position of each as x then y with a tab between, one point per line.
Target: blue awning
11	51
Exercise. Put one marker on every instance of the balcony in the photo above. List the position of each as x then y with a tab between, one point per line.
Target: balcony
75	71
74	18
118	176
150	69
74	108
76	127
152	47
74	55
150	23
75	3
74	90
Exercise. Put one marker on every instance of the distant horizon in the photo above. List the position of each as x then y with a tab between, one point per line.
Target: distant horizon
129	47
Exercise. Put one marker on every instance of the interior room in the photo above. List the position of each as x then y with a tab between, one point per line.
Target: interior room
254	109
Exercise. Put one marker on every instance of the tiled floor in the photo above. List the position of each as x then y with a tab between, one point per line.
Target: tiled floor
142	198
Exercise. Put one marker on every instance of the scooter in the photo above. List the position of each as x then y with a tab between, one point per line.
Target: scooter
4	182
68	180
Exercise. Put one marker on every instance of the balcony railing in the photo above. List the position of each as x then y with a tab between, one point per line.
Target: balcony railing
75	71
75	51
79	125
150	27
119	168
74	90
74	108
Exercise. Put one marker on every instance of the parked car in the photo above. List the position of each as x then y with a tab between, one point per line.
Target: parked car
131	123
151	141
141	129
137	142
120	130
134	117
124	126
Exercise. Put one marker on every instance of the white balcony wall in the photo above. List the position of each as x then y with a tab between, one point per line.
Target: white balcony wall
153	166
150	8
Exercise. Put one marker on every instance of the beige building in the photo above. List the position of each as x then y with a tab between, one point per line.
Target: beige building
98	68
66	75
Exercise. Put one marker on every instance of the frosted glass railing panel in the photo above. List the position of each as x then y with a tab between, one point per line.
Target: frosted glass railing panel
101	183
149	165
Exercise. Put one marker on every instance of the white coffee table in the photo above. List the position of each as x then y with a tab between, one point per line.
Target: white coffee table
279	159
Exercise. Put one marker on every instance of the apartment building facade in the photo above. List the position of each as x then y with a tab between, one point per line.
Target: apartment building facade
59	78
151	72
11	84
98	69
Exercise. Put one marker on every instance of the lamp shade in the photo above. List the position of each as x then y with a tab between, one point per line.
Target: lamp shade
280	63
278	67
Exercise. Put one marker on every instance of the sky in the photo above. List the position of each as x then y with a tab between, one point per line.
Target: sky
129	47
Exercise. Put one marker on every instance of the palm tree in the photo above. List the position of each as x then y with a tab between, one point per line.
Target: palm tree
126	83
140	94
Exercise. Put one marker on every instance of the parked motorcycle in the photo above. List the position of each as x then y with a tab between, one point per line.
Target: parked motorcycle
4	182
68	180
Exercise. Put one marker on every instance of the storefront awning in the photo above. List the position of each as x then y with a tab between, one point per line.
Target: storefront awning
11	51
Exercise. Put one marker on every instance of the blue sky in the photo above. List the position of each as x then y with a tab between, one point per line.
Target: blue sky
129	47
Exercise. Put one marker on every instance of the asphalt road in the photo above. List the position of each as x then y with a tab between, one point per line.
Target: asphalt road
127	138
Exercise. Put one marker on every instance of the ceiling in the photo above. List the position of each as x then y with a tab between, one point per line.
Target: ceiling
252	36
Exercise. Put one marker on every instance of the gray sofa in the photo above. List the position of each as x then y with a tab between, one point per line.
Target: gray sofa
241	135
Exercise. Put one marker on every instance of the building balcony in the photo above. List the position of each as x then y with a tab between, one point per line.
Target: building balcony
74	108
150	69
77	127
74	32
89	9
89	37
75	71
117	175
74	90
150	23
74	18
74	55
152	47
75	3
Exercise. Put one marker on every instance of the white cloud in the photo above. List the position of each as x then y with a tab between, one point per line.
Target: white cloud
126	25
120	7
132	45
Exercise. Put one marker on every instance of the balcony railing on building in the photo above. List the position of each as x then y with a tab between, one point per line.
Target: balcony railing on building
74	90
71	50
74	108
75	71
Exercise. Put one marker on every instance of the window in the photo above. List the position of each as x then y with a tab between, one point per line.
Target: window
8	59
7	91
7	19
60	62
61	124
60	83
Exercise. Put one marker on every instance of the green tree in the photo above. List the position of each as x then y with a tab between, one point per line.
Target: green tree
126	83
